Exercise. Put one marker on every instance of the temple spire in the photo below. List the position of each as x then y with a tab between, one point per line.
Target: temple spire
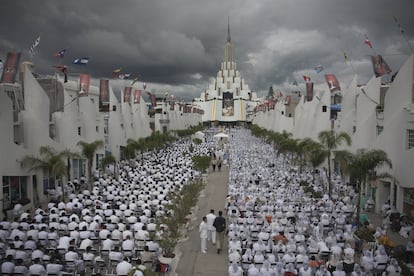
228	50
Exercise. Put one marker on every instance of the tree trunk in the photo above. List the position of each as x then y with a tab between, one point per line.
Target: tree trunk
68	168
90	183
358	205
329	175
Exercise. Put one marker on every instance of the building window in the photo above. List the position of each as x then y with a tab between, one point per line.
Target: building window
78	166
410	138
14	189
380	129
97	128
98	159
79	131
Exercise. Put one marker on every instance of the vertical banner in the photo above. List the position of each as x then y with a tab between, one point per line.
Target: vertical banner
309	91
10	68
137	96
380	66
228	104
333	83
84	80
127	94
103	96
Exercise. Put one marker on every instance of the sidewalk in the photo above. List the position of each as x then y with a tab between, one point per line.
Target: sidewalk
192	261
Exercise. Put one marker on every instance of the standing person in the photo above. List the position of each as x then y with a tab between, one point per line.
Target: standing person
219	163
220	225
1	68
203	234
213	164
211	229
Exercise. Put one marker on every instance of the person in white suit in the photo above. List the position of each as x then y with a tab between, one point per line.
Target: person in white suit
203	234
211	235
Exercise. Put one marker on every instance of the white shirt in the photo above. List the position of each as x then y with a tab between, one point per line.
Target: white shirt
123	268
203	230
210	220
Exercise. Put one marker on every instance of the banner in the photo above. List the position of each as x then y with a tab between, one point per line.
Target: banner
332	82
10	68
84	80
127	94
228	104
137	96
103	96
380	66
309	91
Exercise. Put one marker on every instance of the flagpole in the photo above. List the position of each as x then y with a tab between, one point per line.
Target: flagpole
403	34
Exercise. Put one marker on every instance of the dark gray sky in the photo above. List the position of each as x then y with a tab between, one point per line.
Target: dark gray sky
177	45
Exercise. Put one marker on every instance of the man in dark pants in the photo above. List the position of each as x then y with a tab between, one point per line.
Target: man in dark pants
220	225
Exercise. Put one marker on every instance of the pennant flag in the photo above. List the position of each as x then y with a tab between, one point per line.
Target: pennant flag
306	78
64	70
309	91
84	80
319	69
345	56
137	96
124	76
10	67
166	94
295	82
60	54
35	44
104	96
380	66
333	83
81	61
127	94
368	42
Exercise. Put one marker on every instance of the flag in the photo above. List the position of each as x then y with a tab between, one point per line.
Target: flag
333	83
295	82
152	99
309	91
103	96
137	96
127	94
60	54
318	69
64	70
399	25
84	80
306	78
81	61
166	94
34	45
345	56
368	42
116	71
10	67
124	76
380	66
134	81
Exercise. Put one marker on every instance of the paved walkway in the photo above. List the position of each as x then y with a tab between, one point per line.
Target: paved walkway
192	260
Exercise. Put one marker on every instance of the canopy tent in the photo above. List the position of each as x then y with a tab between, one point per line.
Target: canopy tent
221	135
199	133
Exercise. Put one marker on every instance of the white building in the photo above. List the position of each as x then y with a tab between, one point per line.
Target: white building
227	98
47	112
376	116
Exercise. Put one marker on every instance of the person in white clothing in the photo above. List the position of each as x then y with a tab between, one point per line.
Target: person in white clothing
211	229
203	234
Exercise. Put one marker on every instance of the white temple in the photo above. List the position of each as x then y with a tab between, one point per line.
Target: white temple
227	98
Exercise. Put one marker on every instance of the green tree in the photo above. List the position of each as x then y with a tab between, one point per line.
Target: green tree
50	161
315	155
88	151
360	166
108	160
330	140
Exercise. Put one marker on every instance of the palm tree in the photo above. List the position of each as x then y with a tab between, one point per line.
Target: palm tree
330	141
361	165
315	155
130	149
88	151
108	160
50	161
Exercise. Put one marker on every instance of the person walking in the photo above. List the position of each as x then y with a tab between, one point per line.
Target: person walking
203	234
211	229
213	164
220	225
219	163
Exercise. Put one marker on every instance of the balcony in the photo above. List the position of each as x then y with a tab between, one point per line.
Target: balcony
164	121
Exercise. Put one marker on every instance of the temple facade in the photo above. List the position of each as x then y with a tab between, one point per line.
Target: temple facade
227	98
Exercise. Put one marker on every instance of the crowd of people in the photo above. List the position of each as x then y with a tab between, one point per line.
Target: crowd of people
106	230
278	227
